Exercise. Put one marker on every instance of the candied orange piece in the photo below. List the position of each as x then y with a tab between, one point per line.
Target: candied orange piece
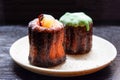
47	21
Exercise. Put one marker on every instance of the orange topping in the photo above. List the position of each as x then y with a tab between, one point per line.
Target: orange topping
46	21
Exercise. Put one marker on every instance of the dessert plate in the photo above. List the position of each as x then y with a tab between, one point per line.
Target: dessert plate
101	55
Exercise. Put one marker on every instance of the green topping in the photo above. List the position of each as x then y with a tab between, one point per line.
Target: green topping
76	19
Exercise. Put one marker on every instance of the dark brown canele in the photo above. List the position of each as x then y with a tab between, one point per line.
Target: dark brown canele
78	40
46	46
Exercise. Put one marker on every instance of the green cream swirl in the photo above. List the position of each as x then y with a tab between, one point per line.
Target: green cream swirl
76	19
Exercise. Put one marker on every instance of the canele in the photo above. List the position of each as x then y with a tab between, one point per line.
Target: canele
46	37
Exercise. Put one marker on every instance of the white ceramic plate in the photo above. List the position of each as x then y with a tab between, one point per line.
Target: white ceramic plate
102	54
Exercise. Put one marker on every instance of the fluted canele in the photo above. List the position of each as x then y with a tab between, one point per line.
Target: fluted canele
78	32
46	42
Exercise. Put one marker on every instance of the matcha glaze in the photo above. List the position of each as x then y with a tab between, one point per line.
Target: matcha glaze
78	19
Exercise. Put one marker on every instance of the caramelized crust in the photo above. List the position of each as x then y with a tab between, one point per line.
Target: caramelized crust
46	46
78	40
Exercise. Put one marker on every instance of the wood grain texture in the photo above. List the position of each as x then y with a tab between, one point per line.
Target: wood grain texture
9	70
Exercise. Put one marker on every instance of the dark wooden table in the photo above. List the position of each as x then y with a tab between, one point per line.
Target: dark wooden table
9	70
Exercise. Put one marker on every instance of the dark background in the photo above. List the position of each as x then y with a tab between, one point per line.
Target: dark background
22	11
